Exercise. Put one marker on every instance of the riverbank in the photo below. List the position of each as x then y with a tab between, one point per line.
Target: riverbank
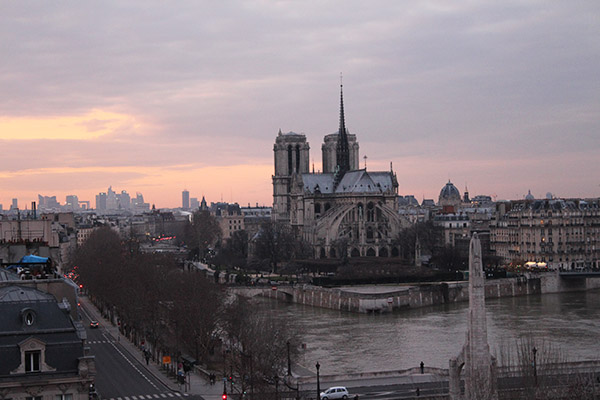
387	298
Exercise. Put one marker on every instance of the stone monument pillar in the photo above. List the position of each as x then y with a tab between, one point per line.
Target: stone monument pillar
475	359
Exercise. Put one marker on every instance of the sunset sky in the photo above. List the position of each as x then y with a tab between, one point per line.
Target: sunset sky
156	97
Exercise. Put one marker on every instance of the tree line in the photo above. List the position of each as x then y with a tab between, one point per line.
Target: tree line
173	312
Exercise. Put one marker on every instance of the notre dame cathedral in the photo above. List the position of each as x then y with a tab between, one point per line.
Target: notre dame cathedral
342	209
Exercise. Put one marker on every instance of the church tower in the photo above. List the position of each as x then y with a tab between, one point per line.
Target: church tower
340	148
291	157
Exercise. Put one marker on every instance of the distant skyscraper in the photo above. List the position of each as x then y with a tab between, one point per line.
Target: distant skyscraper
185	200
101	201
72	203
194	203
15	204
123	200
111	199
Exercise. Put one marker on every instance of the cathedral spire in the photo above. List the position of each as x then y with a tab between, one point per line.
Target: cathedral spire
343	148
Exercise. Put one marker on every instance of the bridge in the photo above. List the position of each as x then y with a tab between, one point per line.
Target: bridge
590	273
266	291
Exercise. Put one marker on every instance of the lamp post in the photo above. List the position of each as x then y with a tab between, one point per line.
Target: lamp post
534	350
318	381
289	360
224	376
276	387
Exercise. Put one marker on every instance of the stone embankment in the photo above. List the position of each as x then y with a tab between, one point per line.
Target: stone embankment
366	299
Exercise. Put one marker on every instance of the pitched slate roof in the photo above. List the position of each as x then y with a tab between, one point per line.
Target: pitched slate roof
358	181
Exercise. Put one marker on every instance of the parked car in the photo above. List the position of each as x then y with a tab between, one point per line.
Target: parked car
94	324
336	392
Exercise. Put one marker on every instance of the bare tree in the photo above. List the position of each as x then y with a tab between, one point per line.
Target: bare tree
258	345
544	371
275	242
202	234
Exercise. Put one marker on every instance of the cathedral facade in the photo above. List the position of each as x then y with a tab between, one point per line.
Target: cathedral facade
343	209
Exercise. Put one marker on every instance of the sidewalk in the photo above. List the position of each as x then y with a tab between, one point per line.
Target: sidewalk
197	385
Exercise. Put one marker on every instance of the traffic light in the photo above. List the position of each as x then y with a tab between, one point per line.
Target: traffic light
224	397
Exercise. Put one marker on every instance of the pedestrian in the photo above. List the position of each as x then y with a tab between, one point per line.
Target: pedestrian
418	392
422	367
147	356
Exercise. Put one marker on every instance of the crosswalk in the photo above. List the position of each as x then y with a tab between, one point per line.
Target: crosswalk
99	341
150	396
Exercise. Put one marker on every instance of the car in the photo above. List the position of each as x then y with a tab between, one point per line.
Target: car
94	324
336	392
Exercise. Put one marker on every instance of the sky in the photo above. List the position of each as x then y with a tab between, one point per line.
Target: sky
157	97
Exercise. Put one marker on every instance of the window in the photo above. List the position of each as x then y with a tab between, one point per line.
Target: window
32	361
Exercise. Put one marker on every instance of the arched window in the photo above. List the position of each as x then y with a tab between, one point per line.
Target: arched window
371	252
355	253
322	253
332	253
290	159
317	208
369	233
395	252
298	158
370	212
383	252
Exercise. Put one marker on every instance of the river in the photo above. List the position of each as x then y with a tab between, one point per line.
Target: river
344	342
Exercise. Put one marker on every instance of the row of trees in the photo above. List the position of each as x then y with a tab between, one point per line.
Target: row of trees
177	312
275	243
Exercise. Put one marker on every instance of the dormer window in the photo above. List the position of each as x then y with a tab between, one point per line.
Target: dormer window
33	360
28	316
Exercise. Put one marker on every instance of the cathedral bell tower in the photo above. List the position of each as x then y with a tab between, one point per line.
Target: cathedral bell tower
291	157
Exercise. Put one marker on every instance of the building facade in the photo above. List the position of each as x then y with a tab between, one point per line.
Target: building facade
344	209
42	348
563	233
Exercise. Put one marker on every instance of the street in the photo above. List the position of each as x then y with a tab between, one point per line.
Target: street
119	375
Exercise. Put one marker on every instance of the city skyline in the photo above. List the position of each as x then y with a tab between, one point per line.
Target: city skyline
501	98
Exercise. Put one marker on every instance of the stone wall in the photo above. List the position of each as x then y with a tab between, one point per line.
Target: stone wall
426	294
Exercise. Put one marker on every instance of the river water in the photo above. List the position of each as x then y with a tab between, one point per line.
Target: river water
344	342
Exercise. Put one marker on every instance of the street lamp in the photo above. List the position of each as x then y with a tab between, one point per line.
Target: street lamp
276	387
289	360
534	350
318	381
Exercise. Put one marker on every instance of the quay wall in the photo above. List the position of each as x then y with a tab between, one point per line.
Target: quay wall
425	294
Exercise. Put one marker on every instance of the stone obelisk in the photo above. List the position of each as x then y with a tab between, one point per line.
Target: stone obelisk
475	360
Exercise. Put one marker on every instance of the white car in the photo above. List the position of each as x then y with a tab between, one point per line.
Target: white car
336	392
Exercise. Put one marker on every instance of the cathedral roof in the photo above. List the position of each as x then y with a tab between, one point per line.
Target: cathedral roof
358	181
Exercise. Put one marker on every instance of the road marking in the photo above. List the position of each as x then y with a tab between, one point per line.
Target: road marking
132	364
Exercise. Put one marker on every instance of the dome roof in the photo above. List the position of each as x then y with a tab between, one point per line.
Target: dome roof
449	192
529	196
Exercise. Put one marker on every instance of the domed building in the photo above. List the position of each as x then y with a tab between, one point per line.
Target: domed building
449	198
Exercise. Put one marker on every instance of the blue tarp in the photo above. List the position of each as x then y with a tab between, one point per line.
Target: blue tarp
30	259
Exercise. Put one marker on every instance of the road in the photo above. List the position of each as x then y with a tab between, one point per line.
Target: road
119	375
